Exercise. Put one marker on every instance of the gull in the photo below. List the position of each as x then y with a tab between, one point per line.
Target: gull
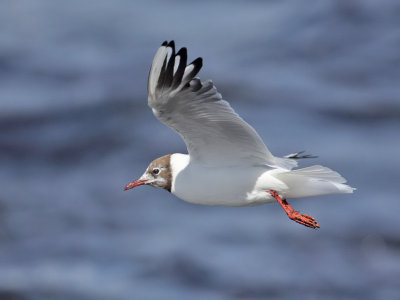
227	163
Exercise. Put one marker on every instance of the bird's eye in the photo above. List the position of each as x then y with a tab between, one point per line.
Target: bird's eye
156	171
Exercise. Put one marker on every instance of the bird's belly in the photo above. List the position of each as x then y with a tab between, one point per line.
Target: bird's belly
212	186
212	195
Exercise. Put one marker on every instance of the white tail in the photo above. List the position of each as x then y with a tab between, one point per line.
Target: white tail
313	181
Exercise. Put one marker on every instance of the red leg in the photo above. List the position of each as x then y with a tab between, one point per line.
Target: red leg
295	215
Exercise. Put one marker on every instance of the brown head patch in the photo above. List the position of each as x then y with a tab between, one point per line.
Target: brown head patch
160	169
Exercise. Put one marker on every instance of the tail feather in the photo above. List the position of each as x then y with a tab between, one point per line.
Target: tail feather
320	172
313	181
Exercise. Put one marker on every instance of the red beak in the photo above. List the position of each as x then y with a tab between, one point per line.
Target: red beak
135	183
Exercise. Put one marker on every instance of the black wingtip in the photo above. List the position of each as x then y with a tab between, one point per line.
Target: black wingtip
168	78
171	44
169	72
182	52
197	64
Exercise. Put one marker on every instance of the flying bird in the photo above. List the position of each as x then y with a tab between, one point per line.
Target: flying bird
227	163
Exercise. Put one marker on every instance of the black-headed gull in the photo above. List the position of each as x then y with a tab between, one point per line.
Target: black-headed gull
228	164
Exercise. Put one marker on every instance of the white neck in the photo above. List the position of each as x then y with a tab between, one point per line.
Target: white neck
178	162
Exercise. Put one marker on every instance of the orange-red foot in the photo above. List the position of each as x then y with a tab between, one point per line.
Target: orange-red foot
304	219
294	215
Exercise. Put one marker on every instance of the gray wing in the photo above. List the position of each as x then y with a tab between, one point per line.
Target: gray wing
214	134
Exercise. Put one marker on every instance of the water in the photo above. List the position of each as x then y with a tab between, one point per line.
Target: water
75	128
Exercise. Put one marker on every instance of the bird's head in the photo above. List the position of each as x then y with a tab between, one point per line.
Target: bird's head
157	174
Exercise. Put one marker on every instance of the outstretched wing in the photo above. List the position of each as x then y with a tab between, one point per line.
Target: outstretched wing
214	134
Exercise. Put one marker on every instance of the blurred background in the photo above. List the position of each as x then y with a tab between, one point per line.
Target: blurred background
320	76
